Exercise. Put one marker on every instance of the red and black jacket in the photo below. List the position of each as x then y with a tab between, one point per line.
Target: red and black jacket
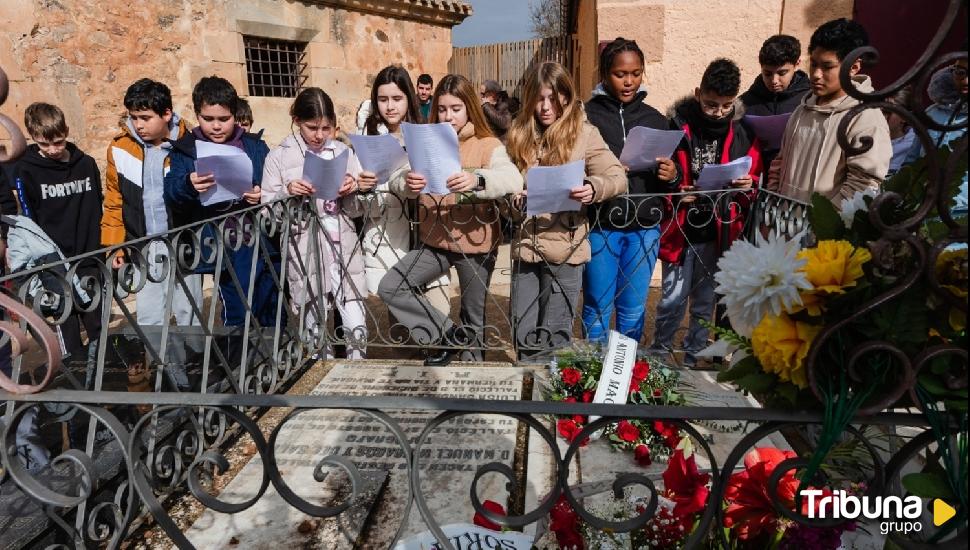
727	226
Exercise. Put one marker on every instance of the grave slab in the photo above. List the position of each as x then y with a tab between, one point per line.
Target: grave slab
448	463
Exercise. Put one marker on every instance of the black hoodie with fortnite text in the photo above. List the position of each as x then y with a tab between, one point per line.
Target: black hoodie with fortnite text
63	197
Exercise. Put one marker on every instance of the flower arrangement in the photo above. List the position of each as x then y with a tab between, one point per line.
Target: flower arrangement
833	325
573	379
750	516
681	502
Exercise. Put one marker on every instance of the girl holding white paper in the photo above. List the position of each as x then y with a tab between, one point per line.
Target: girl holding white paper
387	229
337	274
550	250
460	229
626	231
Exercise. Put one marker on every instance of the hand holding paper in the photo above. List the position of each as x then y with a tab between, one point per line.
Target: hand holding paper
229	168
717	176
381	155
326	176
433	152
550	186
645	145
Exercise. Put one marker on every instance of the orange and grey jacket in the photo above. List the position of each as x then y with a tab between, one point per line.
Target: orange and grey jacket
125	208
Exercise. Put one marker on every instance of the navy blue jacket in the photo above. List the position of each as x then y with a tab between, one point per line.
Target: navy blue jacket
183	200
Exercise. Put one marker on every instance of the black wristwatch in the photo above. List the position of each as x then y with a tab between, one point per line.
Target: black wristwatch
481	183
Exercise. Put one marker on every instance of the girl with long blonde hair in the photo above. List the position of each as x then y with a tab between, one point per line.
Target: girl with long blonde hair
550	250
460	229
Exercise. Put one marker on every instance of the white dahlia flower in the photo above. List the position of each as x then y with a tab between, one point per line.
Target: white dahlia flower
757	279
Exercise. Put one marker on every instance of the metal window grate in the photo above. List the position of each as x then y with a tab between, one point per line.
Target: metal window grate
275	68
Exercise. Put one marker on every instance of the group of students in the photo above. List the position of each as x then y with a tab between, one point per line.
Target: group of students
604	253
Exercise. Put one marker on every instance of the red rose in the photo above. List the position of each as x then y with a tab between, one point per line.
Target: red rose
493	507
570	376
588	396
568	429
642	455
579	419
635	386
658	392
627	432
569	399
669	432
641	369
564	522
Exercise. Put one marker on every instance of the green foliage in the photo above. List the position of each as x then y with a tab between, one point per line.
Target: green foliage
748	365
825	219
928	485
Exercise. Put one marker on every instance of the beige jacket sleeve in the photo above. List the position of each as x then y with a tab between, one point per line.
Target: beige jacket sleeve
870	168
502	177
397	183
603	169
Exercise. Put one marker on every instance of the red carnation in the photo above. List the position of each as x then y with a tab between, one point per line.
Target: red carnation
669	432
493	507
642	455
569	399
658	392
685	485
579	419
588	396
641	369
568	429
570	376
627	432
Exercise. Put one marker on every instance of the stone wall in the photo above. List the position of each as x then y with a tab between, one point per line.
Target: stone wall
680	37
82	54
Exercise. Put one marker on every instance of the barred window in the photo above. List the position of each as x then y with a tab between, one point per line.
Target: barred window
275	68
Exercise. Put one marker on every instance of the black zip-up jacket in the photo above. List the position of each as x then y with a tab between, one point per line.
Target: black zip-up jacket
8	204
614	121
759	101
64	198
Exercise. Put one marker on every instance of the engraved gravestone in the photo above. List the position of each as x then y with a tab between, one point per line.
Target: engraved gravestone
447	464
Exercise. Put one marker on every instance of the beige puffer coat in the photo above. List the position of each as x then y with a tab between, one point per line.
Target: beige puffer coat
561	238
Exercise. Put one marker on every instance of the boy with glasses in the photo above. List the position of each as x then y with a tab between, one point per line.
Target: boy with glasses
703	225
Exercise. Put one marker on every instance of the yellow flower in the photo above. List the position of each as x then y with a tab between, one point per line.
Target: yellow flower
830	267
833	266
951	273
780	344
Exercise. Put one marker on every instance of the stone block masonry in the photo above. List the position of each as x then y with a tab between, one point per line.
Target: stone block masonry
83	54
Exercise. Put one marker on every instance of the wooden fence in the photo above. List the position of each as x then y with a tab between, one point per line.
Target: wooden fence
507	62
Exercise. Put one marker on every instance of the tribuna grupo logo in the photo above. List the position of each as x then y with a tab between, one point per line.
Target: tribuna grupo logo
897	515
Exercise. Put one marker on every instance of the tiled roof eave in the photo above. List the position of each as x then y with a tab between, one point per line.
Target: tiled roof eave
437	12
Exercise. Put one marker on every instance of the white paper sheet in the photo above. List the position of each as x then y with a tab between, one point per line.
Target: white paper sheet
231	167
379	154
717	176
645	145
549	188
433	152
769	129
326	176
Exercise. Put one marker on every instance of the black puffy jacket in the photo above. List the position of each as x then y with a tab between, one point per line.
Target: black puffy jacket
759	101
614	121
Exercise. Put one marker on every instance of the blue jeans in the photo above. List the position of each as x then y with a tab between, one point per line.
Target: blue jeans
618	275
